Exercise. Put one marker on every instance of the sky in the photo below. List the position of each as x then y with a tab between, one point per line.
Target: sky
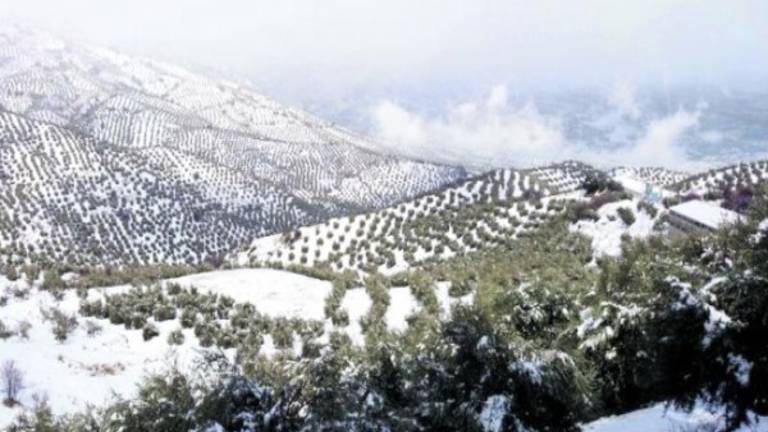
403	71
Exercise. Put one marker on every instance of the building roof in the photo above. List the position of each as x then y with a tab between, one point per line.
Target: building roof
705	213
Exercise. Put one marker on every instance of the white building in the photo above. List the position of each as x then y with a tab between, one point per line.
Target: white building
697	214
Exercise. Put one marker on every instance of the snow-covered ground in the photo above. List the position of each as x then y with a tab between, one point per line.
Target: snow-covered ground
83	369
660	418
115	359
607	231
88	369
283	294
274	293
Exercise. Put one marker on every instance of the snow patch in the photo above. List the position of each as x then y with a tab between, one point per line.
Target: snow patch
492	415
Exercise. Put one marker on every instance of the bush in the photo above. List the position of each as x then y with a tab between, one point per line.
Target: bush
581	211
282	333
52	281
670	201
5	332
149	331
188	318
63	325
594	183
176	337
93	328
164	313
648	208
627	215
23	328
11	273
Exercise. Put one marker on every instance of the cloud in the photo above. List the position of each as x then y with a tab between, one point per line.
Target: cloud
336	49
659	145
491	132
483	133
622	97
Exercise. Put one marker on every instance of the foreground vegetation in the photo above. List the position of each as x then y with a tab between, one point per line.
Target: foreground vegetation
553	337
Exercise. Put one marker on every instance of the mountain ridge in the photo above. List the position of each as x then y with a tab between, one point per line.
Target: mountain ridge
87	101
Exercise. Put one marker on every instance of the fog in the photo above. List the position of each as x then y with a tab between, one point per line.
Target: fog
405	70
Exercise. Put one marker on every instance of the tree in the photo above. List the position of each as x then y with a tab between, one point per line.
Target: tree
12	380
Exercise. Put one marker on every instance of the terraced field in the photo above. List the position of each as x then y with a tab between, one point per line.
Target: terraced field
491	209
64	195
747	174
655	175
155	163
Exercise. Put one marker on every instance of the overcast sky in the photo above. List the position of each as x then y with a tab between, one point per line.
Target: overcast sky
332	44
368	58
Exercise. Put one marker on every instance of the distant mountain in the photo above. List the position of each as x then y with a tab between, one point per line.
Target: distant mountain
109	158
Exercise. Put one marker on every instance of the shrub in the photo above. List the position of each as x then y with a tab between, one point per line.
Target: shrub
149	331
63	325
581	211
670	201
594	183
11	273
23	328
282	333
188	318
92	328
627	215
5	332
52	281
648	208
164	313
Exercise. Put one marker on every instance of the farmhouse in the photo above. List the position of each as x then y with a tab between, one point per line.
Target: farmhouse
698	214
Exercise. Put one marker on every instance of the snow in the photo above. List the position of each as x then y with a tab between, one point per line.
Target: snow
115	359
275	293
762	231
740	367
659	418
634	186
607	231
763	226
492	415
705	213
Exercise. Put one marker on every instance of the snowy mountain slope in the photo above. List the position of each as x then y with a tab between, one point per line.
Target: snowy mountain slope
563	177
661	177
746	174
490	209
266	166
64	196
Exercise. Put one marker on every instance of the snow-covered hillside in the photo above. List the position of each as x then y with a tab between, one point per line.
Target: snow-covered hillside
487	210
109	359
747	174
105	357
607	231
147	162
655	175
